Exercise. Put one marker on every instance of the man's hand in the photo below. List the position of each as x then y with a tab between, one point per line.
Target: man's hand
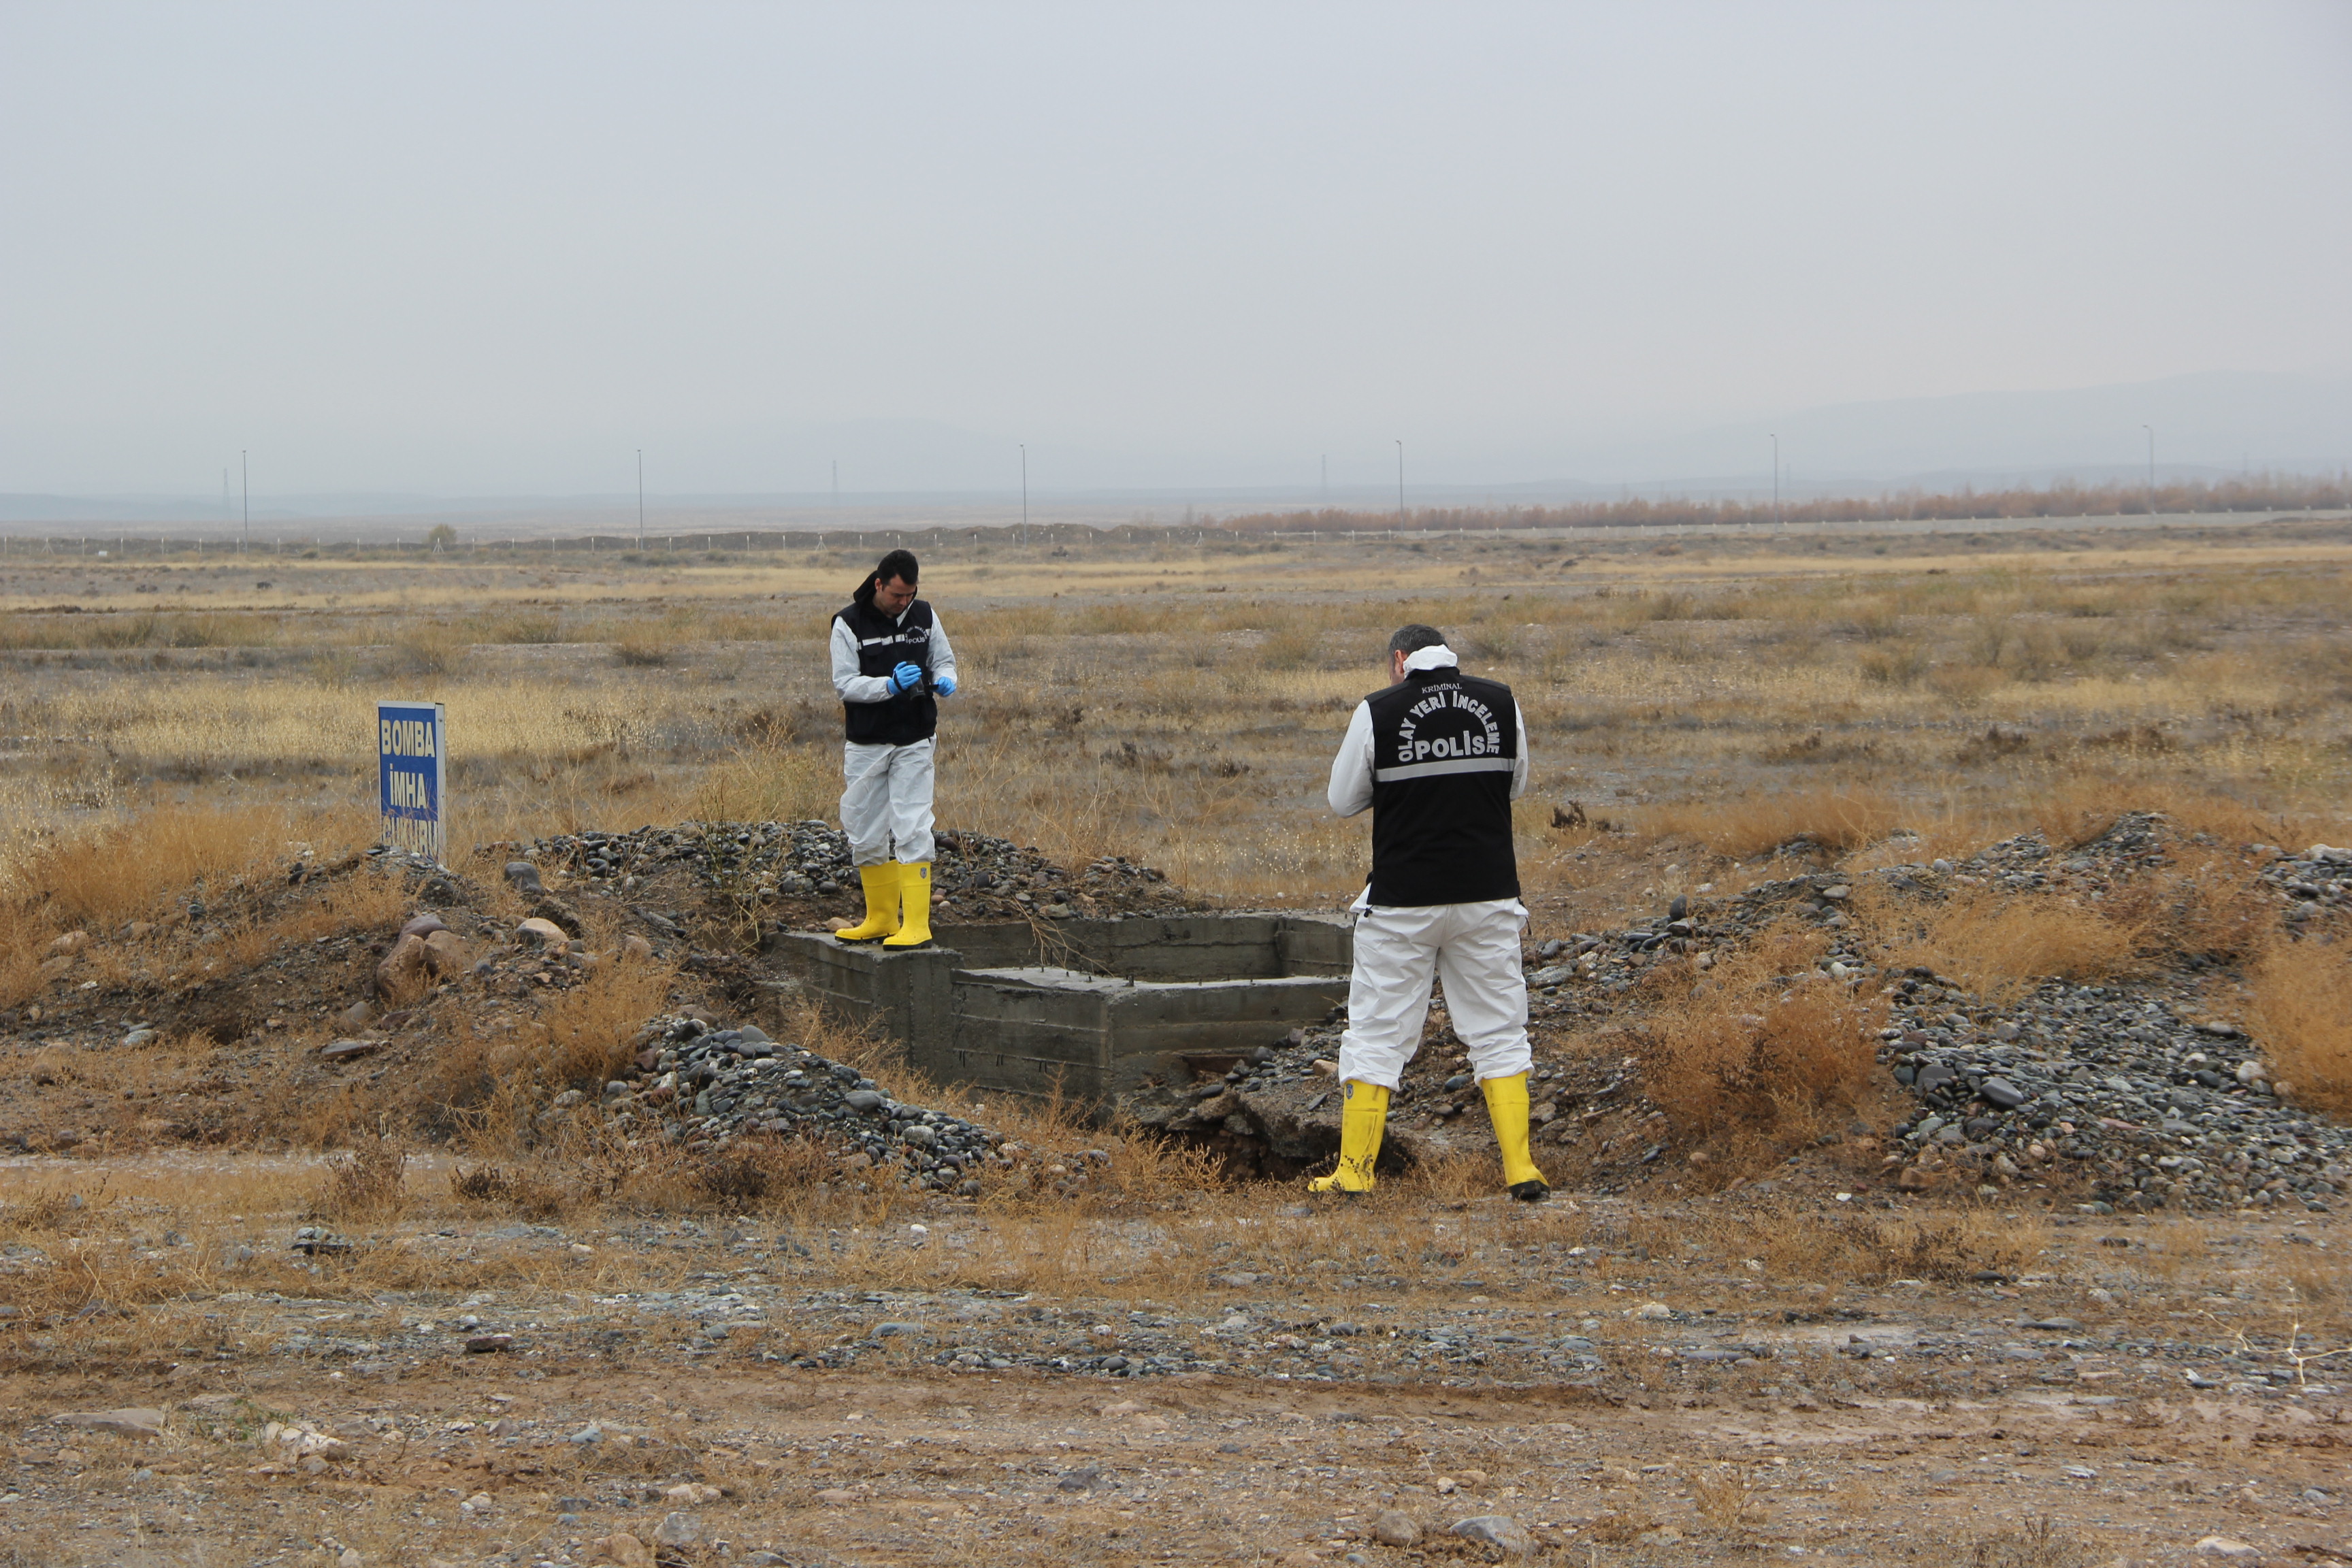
905	678
943	684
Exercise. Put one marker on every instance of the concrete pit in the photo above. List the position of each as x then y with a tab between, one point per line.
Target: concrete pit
1095	1010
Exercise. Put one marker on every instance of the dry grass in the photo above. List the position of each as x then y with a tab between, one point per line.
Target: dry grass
1759	1052
1809	1243
1192	727
488	1090
772	783
106	875
1725	1498
2204	904
1837	820
2040	1543
2303	1020
2001	945
365	1184
1182	711
114	872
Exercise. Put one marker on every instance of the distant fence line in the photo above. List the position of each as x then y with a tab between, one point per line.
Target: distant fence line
2233	502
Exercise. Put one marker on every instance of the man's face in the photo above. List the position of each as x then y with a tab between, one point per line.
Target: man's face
893	596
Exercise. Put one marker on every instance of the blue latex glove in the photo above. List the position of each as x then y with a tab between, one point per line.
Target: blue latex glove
905	678
943	684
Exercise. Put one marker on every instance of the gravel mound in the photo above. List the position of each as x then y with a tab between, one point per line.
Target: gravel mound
2316	885
975	875
706	1087
2156	1109
2154	1106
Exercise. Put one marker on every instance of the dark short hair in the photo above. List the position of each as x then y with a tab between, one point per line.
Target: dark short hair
1413	639
898	565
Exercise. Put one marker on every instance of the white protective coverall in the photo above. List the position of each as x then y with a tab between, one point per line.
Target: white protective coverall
886	797
1473	948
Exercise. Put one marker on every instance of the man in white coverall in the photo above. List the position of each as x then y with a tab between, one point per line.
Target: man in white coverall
891	661
1438	757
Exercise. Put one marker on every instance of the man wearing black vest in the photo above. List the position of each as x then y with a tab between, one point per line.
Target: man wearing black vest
1438	757
891	661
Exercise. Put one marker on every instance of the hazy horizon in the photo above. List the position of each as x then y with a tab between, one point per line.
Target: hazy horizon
437	250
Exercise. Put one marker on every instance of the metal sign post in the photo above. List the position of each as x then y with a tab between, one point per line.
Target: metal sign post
411	768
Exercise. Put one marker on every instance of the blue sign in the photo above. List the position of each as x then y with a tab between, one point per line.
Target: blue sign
412	765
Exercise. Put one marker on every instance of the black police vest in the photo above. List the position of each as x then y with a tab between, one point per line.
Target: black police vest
883	645
1444	747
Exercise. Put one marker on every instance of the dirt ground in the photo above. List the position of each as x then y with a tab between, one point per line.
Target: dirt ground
360	1286
1606	1373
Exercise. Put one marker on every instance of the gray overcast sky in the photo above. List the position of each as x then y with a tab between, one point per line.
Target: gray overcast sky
493	248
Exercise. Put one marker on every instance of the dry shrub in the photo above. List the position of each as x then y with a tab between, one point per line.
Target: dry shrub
1295	644
1901	664
2040	1543
1762	1046
427	647
1999	945
52	1209
363	1184
99	879
2204	904
490	1087
583	1164
771	784
533	1193
2076	810
368	899
755	1171
512	625
1948	1247
2320	1284
646	645
2302	1019
1144	1171
1839	820
1614	1528
642	652
1966	684
137	868
1725	1498
585	1034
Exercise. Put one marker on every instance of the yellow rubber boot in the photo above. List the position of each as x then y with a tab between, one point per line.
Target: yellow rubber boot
914	889
1363	1117
881	904
1506	1107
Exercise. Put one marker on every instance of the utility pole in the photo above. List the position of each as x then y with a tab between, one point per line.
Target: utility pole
1775	484
1326	480
244	479
1400	446
2151	469
1025	493
641	498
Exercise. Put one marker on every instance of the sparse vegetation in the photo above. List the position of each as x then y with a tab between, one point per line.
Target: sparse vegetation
2303	1008
1598	1368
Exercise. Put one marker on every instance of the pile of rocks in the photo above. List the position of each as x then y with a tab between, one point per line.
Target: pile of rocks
2152	1107
1589	971
707	1087
2316	884
975	875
